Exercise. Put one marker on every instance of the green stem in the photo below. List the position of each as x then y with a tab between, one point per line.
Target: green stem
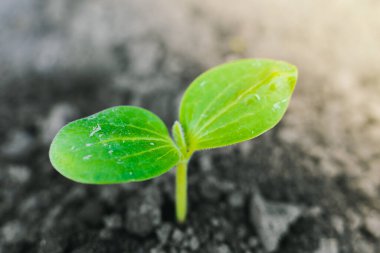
181	191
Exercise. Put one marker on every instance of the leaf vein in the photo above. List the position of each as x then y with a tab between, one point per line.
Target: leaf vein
224	126
143	152
131	139
213	101
165	154
225	109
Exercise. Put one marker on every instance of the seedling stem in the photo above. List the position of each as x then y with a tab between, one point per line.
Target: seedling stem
181	191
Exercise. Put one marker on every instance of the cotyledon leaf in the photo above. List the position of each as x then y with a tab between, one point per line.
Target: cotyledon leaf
117	145
235	102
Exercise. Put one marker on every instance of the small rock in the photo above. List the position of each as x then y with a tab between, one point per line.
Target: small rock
144	212
215	222
363	246
223	249
109	194
227	186
220	236
372	224
105	234
236	199
13	232
245	149
189	231
205	161
156	250
253	242
163	233
19	174
328	246
18	145
314	212
177	236
194	243
59	115
272	220
355	221
338	224
113	221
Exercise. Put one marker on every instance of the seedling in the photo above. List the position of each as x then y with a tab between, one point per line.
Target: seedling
228	104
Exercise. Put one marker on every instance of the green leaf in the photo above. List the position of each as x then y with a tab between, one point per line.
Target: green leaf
117	145
235	102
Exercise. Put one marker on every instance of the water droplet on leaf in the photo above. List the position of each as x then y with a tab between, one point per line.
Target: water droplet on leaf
87	157
95	130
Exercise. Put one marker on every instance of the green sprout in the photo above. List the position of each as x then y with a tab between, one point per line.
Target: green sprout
228	104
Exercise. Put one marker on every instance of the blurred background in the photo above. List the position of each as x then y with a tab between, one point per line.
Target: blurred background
312	184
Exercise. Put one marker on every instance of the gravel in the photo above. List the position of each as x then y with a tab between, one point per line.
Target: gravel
19	145
144	212
372	224
272	220
328	246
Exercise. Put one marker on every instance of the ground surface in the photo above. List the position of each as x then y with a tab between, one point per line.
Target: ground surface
309	185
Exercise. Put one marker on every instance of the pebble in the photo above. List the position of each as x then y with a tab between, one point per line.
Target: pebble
315	212
236	199
372	224
246	149
338	224
177	236
13	232
220	236
59	115
205	161
109	194
105	234
163	233
18	145
19	174
194	243
328	246
144	213
223	249
113	221
215	222
355	221
253	242
272	220
363	246
156	250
